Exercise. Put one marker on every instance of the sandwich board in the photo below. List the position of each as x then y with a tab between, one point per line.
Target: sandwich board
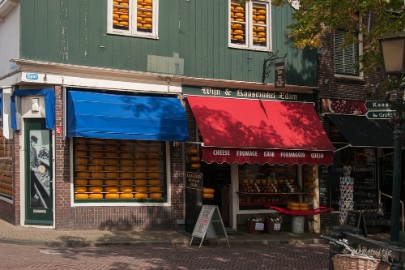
209	225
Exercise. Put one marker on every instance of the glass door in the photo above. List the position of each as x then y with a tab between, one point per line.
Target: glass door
38	173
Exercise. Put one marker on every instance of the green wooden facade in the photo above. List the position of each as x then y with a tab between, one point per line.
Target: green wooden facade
75	32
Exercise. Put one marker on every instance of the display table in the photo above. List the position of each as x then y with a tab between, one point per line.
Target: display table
299	216
310	212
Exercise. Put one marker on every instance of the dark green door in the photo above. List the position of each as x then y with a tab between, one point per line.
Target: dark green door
38	173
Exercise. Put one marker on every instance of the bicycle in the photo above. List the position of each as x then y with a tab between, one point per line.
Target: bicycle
350	259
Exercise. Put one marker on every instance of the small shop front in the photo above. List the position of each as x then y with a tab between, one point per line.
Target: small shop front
258	149
361	176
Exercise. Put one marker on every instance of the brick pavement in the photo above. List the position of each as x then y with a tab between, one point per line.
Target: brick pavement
272	256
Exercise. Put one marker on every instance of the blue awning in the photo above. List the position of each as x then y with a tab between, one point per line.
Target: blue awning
129	117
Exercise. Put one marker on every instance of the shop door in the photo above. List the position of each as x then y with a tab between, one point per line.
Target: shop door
38	173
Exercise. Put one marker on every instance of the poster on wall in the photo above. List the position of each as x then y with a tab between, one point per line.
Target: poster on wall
343	106
40	169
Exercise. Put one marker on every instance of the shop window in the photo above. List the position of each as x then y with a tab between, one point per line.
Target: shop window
6	180
346	56
119	171
133	17
249	25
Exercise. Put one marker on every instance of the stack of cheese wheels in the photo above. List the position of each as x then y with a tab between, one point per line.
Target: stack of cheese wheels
304	206
208	193
144	15
259	17
238	19
120	13
194	157
293	206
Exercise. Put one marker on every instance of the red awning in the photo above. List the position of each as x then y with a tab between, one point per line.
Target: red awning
257	131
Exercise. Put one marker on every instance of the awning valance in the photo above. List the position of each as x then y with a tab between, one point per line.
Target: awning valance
115	116
256	131
360	131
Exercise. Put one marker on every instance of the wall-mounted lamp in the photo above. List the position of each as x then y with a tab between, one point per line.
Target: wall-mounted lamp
35	105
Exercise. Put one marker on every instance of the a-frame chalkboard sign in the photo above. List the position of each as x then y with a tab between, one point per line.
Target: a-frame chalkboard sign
355	218
209	225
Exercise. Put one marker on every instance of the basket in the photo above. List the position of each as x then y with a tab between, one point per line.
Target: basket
357	262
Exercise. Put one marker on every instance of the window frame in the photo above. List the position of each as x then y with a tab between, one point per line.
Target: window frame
249	44
344	73
132	30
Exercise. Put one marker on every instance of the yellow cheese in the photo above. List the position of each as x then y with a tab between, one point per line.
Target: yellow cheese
81	196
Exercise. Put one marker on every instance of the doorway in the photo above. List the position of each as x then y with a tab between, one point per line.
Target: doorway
218	177
38	173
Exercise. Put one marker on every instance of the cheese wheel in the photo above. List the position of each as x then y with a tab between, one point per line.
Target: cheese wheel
140	195
126	189
195	165
140	175
235	32
111	182
193	150
154	182
97	175
238	37
116	16
294	208
141	189
293	204
112	196
261	11
126	182
140	182
126	196
96	196
81	160
141	162
96	182
197	158
304	208
154	168
208	190
126	175
236	26
95	167
155	189
154	155
240	9
81	154
81	182
148	20
155	195
123	23
80	196
96	161
126	154
111	175
262	34
126	162
153	162
83	174
113	147
110	161
153	175
96	147
112	168
239	14
80	189
303	204
81	167
208	196
261	18
111	189
96	189
140	168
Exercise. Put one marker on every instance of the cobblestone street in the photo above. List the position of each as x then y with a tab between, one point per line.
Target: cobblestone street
284	256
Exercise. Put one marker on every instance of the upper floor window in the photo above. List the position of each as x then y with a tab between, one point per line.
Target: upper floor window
133	17
249	24
346	55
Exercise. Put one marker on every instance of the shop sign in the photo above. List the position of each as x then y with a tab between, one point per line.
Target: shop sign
194	180
280	75
247	94
377	105
271	156
380	114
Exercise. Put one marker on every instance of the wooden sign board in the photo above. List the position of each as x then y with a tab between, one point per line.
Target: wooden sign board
209	224
356	219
